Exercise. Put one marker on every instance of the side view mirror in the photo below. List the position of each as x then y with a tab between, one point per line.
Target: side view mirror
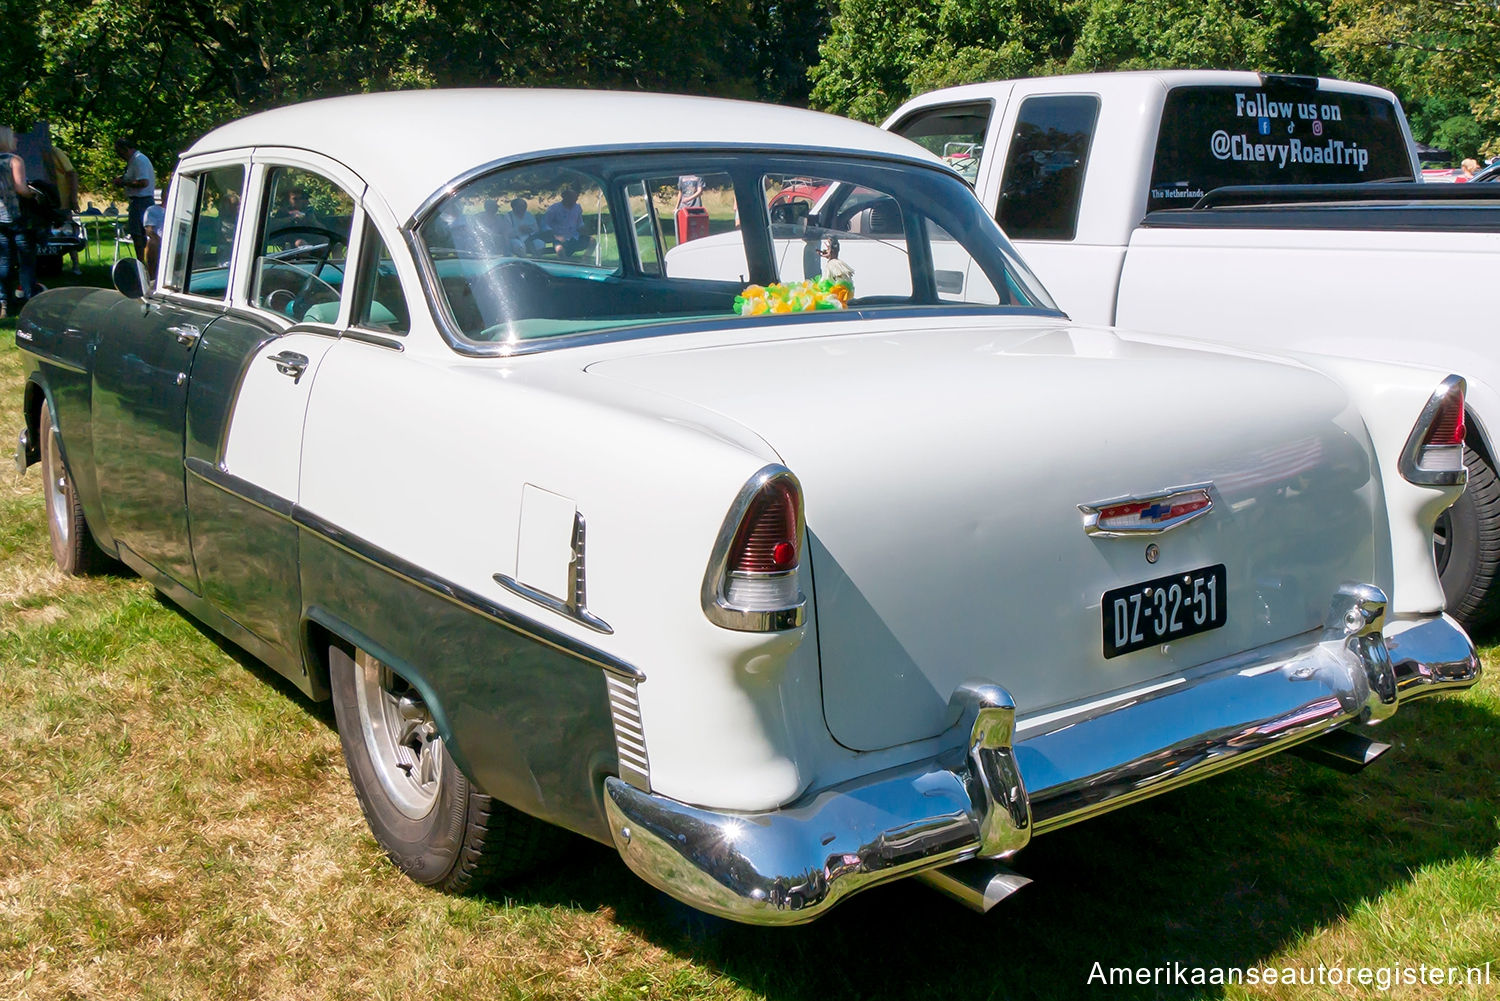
130	278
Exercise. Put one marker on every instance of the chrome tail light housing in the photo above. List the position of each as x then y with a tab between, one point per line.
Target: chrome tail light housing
1434	452
754	577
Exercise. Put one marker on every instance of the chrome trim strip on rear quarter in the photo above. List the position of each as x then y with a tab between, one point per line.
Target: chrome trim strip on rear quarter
788	866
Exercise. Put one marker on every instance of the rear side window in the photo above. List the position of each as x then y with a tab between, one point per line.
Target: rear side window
954	132
1044	169
1214	136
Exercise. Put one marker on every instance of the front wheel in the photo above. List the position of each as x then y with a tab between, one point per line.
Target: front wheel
424	812
1466	546
73	546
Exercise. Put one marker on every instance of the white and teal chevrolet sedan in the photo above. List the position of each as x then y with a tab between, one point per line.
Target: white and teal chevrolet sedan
829	555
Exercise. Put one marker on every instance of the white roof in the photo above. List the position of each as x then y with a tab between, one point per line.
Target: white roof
408	144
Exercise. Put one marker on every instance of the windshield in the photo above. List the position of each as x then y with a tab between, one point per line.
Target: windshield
1215	136
592	243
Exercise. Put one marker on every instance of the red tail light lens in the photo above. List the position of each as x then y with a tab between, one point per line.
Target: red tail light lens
1448	425
767	538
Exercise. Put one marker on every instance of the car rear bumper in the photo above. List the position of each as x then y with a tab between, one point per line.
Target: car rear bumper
998	786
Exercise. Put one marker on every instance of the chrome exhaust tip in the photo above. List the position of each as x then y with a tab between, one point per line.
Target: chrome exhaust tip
1342	751
979	885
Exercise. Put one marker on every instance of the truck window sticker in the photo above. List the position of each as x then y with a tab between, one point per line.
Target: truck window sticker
1216	136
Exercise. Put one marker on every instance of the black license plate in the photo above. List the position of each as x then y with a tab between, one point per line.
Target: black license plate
1163	609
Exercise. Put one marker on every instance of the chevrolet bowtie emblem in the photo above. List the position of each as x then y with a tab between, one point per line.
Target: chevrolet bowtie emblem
1149	515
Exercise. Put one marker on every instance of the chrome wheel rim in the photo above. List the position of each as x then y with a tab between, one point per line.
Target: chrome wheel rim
58	515
400	736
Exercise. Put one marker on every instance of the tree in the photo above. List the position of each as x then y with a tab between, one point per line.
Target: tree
878	53
1426	50
1274	36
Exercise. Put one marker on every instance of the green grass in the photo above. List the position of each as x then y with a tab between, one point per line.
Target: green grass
176	823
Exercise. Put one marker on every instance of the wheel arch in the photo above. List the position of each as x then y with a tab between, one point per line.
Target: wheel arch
1476	435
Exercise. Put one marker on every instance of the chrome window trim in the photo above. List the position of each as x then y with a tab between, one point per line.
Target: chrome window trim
715	605
369	337
448	329
1411	453
1090	512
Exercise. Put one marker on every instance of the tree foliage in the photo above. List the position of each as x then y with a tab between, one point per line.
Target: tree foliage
163	73
1438	53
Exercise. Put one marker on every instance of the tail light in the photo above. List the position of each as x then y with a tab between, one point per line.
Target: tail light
1434	453
754	578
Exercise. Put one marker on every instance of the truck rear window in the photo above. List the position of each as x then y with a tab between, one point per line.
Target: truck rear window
1214	136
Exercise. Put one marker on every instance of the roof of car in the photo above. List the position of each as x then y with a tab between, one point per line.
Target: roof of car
409	144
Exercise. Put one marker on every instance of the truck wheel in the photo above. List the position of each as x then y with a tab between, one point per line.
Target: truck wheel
424	812
1466	545
73	546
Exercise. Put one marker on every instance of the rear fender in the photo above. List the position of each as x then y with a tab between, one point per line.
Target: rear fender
1390	399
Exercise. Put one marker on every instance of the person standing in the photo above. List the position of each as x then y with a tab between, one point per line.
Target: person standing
15	239
139	182
66	179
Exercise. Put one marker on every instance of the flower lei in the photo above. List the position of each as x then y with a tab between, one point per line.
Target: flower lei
797	297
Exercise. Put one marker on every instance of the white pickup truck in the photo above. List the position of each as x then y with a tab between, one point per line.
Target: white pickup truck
1239	207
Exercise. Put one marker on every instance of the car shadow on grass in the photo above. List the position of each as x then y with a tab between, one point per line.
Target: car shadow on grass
1225	873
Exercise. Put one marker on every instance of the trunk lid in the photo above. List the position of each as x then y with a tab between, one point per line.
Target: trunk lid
943	472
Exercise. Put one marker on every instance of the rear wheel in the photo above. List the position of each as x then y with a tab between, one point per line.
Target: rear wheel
1466	545
73	546
433	823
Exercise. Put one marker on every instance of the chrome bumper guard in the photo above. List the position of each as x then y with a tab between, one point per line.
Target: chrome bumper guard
23	452
988	796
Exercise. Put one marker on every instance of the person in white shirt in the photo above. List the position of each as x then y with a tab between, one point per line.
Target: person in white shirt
523	226
139	182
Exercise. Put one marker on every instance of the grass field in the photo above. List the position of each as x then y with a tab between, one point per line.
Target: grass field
176	823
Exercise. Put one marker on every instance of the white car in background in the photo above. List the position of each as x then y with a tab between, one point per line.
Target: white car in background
782	587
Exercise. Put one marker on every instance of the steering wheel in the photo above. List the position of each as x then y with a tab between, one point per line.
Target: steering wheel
318	254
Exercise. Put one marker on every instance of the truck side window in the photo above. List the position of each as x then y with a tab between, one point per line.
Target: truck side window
954	132
1044	168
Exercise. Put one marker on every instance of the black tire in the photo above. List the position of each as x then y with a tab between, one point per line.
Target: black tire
464	840
1466	546
73	546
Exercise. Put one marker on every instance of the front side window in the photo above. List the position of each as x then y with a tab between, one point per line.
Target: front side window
302	246
205	221
1045	167
954	132
611	241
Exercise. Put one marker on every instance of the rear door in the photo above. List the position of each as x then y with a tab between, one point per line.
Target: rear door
250	396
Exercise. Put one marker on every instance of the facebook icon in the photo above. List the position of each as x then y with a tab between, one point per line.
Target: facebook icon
1265	126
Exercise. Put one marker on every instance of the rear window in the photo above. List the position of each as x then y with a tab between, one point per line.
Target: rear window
1215	136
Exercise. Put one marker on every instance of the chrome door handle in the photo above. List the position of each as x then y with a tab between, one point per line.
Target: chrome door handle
187	334
290	363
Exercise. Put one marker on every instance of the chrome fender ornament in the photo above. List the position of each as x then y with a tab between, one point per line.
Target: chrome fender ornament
1147	515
